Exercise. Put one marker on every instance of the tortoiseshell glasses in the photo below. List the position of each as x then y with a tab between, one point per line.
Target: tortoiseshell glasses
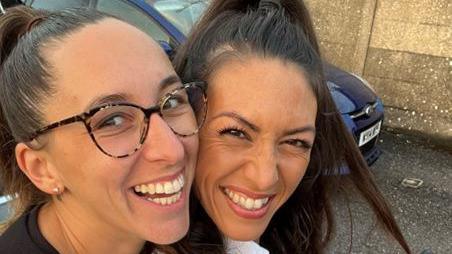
119	129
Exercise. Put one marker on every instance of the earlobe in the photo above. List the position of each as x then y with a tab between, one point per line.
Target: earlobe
36	167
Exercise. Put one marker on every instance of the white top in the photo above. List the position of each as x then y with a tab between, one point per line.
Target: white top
247	247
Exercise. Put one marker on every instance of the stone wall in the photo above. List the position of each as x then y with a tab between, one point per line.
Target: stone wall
403	48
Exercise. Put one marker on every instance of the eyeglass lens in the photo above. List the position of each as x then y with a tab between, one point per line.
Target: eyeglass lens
120	130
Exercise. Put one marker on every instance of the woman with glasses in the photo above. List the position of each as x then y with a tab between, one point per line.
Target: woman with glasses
98	135
273	138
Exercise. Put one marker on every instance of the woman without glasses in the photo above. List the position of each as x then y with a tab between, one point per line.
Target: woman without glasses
98	135
273	138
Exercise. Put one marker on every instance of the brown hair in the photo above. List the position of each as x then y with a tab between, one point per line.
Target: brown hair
25	82
282	29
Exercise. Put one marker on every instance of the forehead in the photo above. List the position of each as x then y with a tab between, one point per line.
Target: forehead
255	86
106	58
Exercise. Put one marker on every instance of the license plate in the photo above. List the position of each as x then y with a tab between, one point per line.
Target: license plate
369	134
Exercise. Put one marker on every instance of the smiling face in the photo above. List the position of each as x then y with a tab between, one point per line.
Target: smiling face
110	197
255	144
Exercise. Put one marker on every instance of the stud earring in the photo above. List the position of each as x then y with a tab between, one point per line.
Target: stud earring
57	192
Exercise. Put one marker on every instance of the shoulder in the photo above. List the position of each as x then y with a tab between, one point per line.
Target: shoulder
24	237
13	239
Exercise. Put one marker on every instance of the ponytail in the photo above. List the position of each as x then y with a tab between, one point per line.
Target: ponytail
296	11
14	24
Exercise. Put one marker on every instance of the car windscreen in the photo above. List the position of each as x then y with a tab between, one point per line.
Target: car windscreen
181	13
56	4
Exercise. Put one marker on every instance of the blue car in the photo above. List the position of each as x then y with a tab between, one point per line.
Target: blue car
169	21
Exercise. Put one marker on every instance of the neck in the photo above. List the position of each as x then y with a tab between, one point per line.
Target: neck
70	232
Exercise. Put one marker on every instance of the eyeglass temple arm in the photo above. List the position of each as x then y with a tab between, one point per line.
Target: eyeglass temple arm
66	121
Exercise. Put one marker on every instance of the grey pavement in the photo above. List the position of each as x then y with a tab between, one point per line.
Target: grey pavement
424	214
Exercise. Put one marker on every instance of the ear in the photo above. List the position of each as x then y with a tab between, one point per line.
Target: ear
37	168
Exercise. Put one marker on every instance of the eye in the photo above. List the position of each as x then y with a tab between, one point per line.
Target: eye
298	143
175	101
113	121
235	132
171	103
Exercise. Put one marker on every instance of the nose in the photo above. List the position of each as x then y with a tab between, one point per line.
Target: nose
262	169
161	143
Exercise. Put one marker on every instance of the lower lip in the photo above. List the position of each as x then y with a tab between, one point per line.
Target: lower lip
248	214
174	207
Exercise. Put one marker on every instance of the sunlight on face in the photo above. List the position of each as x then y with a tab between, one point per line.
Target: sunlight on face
114	62
256	143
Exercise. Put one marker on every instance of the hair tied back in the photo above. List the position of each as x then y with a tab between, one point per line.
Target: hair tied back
267	5
32	23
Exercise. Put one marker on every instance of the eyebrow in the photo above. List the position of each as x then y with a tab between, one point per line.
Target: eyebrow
307	128
111	98
168	81
122	97
239	118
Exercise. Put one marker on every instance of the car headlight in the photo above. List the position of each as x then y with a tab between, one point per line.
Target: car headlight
343	103
364	82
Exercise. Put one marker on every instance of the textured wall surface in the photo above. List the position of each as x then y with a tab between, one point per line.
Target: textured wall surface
403	48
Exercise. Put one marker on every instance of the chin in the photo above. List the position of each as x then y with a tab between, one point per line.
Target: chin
245	233
168	232
168	237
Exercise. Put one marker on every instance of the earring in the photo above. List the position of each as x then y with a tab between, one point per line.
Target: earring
57	192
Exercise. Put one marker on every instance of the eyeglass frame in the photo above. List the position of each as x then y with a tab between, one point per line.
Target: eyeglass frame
86	116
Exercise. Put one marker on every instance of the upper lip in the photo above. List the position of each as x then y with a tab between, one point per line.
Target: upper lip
166	178
249	193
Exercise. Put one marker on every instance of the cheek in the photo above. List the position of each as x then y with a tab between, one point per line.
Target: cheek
80	163
214	164
292	172
207	169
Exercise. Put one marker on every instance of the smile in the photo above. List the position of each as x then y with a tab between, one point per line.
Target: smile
162	193
244	201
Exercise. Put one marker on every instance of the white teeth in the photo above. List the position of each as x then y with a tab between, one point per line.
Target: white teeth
159	188
246	202
151	188
257	204
166	200
176	185
236	198
249	203
167	187
181	180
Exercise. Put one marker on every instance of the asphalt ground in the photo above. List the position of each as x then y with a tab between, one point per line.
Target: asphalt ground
424	214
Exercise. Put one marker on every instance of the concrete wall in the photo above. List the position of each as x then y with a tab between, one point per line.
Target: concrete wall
403	48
